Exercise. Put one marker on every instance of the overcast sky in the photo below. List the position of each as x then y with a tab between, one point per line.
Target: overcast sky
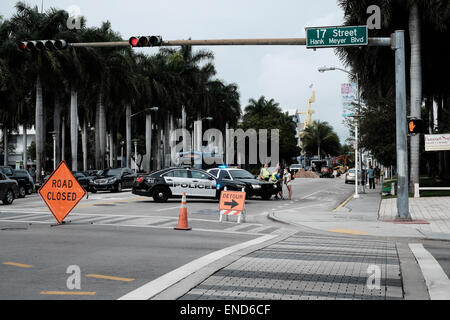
283	73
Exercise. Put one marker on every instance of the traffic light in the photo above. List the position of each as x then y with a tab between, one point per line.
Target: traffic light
41	45
415	126
145	41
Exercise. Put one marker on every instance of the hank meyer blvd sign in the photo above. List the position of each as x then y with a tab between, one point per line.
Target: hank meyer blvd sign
322	37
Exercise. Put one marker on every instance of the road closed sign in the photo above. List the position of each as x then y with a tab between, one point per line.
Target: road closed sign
61	192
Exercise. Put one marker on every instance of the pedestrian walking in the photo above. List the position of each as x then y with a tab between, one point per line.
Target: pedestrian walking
371	175
377	175
288	181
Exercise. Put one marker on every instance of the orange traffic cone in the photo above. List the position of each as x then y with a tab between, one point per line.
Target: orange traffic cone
183	219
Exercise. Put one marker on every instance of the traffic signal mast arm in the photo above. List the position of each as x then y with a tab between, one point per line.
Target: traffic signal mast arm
224	42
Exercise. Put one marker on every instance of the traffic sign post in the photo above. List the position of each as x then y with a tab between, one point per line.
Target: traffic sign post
61	192
232	203
323	37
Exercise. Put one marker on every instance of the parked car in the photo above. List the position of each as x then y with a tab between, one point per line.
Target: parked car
23	178
9	189
83	179
172	182
350	176
114	180
38	185
253	186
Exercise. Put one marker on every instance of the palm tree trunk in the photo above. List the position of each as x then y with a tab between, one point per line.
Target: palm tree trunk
84	145
158	148
74	128
5	148
38	127
128	135
111	150
416	89
148	142
63	139
57	128
167	140
97	136
25	147
102	133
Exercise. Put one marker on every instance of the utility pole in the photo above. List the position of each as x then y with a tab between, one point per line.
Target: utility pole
401	129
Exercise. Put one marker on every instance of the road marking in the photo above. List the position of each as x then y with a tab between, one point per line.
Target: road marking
158	285
99	276
347	231
343	203
16	264
166	209
25	216
436	280
69	293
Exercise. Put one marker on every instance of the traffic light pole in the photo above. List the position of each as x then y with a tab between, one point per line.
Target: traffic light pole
396	42
225	42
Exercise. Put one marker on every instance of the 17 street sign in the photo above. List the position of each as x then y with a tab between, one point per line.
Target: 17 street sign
61	192
324	37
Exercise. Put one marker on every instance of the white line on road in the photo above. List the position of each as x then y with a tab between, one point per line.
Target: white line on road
165	209
437	281
152	288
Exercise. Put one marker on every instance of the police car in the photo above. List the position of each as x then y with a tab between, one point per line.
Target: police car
172	182
253	186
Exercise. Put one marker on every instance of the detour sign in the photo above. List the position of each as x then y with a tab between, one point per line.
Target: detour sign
61	192
232	200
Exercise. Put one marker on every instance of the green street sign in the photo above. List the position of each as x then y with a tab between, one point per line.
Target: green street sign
340	36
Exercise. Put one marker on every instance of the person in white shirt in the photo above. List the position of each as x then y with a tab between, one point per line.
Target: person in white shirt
288	181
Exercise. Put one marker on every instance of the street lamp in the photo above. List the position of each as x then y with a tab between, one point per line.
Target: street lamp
323	69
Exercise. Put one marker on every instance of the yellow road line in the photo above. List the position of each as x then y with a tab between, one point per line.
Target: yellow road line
99	276
20	265
69	293
347	231
343	203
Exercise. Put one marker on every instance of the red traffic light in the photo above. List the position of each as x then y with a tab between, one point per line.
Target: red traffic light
133	41
145	41
22	46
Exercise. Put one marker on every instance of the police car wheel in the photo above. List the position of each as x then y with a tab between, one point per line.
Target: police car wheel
160	195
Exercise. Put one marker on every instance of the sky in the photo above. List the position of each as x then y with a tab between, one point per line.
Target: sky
282	73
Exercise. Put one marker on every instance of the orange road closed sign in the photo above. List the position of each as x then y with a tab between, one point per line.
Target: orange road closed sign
231	203
61	192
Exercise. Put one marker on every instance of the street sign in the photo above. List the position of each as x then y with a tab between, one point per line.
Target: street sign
339	36
231	203
61	192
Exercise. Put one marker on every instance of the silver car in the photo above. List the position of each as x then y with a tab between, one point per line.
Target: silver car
350	176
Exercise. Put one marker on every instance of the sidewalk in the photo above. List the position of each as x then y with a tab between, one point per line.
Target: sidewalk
367	215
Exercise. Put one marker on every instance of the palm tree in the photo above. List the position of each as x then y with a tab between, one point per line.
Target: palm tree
321	138
28	23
